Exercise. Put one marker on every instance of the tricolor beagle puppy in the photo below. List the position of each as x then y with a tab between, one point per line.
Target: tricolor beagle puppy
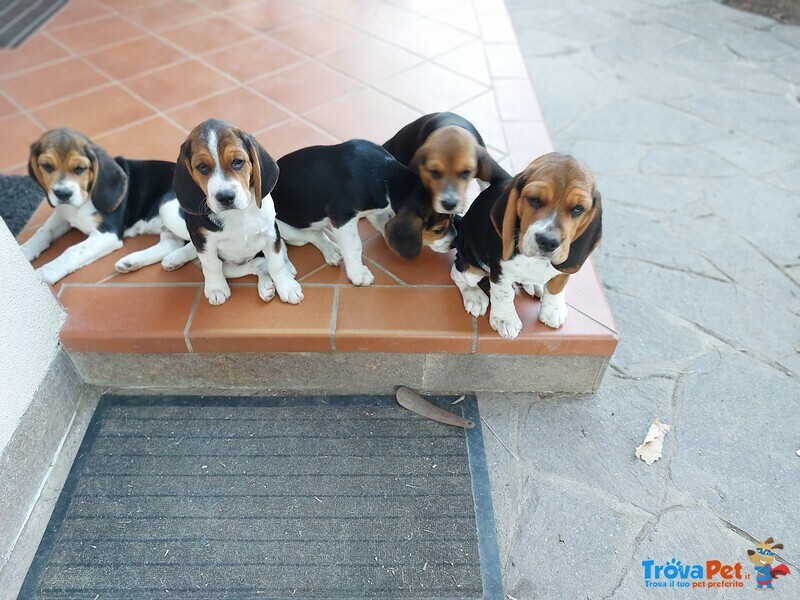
223	181
447	152
325	190
105	198
535	229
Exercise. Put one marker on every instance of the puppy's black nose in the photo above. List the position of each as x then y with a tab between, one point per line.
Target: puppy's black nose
226	197
449	204
63	194
547	243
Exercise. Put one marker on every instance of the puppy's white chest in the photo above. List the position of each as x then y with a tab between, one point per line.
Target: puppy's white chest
243	235
83	218
524	269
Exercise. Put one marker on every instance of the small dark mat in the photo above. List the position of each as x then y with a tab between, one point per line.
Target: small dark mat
19	197
20	18
290	497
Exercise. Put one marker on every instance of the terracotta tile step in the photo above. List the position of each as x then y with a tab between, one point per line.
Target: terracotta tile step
412	307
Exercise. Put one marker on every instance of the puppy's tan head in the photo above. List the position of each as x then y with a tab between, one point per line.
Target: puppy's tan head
226	165
72	170
446	162
552	209
439	232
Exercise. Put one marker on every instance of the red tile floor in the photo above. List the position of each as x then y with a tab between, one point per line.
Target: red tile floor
137	76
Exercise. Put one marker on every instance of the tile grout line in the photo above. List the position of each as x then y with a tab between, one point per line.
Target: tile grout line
386	271
591	318
433	286
315	271
190	319
334	317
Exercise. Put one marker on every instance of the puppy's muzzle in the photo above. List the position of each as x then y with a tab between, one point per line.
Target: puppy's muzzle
547	243
63	195
225	198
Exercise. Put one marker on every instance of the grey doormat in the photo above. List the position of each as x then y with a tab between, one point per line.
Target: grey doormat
19	197
20	18
287	497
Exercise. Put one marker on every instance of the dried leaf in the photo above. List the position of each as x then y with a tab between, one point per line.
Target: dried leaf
650	450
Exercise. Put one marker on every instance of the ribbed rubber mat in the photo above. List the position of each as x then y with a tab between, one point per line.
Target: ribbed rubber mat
20	18
293	497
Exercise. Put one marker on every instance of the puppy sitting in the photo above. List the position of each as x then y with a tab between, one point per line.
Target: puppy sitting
447	152
536	229
223	181
329	188
105	198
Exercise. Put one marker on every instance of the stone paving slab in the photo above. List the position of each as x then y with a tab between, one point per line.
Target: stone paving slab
688	112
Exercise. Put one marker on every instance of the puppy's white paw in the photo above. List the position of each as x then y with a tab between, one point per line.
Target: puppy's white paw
553	314
362	277
534	289
508	325
332	254
475	302
170	263
217	293
30	252
125	265
290	292
266	289
50	274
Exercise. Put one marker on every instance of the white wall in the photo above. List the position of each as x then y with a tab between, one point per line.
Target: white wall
30	319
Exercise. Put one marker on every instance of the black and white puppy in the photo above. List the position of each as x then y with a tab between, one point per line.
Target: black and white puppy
105	198
223	181
325	190
536	230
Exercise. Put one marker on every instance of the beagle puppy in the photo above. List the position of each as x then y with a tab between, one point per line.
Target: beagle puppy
447	152
324	190
535	229
223	181
105	198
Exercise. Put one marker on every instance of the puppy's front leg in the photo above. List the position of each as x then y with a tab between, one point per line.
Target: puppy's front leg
97	245
53	228
278	264
503	316
217	289
475	300
350	244
553	311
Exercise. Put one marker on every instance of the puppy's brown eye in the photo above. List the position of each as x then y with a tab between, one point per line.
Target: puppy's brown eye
237	163
47	168
576	210
436	174
203	168
79	170
439	230
465	174
535	202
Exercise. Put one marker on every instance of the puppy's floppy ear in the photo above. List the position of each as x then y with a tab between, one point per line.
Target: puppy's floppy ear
110	182
504	215
587	241
418	159
190	196
488	169
404	233
265	171
34	170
